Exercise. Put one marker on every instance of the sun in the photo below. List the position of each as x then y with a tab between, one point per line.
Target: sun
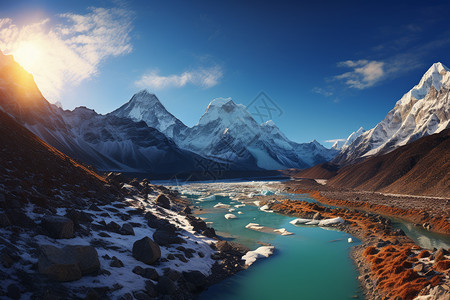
28	55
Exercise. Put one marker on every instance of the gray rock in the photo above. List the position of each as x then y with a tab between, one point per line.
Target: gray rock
150	273
163	201
116	263
146	250
163	237
58	227
127	229
68	263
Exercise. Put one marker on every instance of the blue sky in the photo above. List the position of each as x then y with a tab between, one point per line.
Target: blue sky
330	66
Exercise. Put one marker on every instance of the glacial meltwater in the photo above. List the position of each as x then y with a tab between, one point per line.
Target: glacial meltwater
313	263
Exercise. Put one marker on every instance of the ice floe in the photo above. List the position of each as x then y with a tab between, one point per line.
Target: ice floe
230	216
251	256
328	222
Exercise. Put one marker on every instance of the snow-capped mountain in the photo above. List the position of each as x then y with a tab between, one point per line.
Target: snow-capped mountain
106	142
422	111
144	106
228	132
341	144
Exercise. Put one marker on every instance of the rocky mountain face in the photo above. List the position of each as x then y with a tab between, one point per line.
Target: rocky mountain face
422	111
421	167
146	107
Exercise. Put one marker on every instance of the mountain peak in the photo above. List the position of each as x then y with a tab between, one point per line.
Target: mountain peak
219	102
145	106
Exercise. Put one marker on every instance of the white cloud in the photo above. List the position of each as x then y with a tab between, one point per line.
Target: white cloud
203	77
364	73
69	49
335	140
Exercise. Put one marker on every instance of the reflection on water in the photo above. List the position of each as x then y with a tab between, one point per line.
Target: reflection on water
423	237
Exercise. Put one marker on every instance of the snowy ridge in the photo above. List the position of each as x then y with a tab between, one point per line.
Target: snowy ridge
228	132
339	145
144	106
422	111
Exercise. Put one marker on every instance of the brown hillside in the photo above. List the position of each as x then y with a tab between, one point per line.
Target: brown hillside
320	171
27	163
419	168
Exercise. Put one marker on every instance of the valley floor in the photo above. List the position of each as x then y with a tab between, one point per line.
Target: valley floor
390	264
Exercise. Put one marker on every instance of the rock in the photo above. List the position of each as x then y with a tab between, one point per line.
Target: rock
174	275
19	218
196	278
150	273
439	254
317	216
127	229
58	227
418	267
4	221
116	263
13	291
113	227
163	237
223	246
163	201
141	295
150	288
138	270
146	250
78	216
68	263
187	210
165	286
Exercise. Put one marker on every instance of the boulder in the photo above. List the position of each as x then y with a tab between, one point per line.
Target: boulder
146	250
150	273
164	237
113	227
163	201
68	263
58	227
127	229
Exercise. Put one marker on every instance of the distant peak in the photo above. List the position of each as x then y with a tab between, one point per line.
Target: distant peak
144	93
269	123
438	66
221	101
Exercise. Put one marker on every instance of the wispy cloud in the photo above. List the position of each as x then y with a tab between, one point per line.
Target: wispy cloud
68	49
322	91
203	77
335	140
364	73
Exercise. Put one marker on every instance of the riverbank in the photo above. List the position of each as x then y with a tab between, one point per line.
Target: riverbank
389	263
431	213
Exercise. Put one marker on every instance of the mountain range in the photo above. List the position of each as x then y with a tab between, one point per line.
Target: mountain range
422	111
141	136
